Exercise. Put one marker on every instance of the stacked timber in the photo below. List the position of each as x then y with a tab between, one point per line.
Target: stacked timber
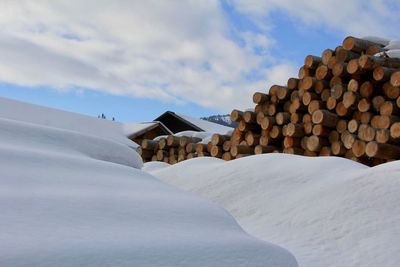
345	102
172	149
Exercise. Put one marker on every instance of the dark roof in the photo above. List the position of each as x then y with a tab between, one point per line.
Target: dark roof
176	123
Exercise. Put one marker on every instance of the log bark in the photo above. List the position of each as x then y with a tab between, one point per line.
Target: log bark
325	117
357	45
382	151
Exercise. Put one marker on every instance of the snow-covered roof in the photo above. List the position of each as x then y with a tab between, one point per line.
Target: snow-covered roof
206	126
135	129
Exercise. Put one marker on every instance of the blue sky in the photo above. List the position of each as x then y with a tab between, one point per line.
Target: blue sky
133	61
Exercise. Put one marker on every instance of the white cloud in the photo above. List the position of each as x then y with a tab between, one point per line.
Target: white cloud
179	51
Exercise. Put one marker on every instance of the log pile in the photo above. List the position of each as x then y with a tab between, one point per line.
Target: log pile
345	102
173	149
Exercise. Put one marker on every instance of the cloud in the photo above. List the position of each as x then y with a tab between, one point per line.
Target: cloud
180	51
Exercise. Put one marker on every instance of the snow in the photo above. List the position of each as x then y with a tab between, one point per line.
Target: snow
133	128
327	211
69	197
44	116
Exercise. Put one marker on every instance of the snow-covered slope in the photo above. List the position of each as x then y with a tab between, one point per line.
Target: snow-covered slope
71	198
328	211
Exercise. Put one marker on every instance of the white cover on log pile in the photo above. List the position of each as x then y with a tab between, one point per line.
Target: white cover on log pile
393	44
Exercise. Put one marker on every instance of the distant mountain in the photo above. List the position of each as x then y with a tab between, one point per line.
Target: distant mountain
221	119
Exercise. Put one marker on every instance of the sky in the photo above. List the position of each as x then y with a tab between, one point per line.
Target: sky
133	60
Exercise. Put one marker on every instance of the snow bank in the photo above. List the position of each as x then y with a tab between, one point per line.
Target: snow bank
328	211
69	198
44	116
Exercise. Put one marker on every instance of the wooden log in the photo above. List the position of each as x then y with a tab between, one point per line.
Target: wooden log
241	149
358	148
367	89
368	62
315	143
184	140
348	139
366	117
250	117
320	85
331	103
236	115
283	92
338	149
391	91
226	146
149	144
252	139
219	139
190	148
312	62
357	45
244	127
325	151
326	55
366	132
161	154
227	156
282	118
377	102
320	130
154	158
216	151
384	122
309	153
341	126
295	117
289	141
332	62
306	118
382	73
271	111
342	111
264	140
307	83
162	143
145	153
173	141
353	125
295	130
334	136
200	147
260	149
181	158
350	98
192	155
383	136
292	83
353	85
323	72
315	105
398	102
382	151
304	72
259	98
308	97
353	67
364	105
325	117
267	122
242	156
395	130
335	80
337	91
389	108
293	150
395	78
276	132
325	94
340	69
203	154
308	126
343	55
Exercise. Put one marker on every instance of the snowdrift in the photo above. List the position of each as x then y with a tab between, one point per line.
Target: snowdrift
69	197
327	211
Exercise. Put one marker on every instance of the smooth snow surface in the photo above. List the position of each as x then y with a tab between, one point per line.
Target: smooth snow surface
327	211
207	126
71	198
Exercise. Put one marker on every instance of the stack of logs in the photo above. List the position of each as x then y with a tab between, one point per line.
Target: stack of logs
344	103
173	149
